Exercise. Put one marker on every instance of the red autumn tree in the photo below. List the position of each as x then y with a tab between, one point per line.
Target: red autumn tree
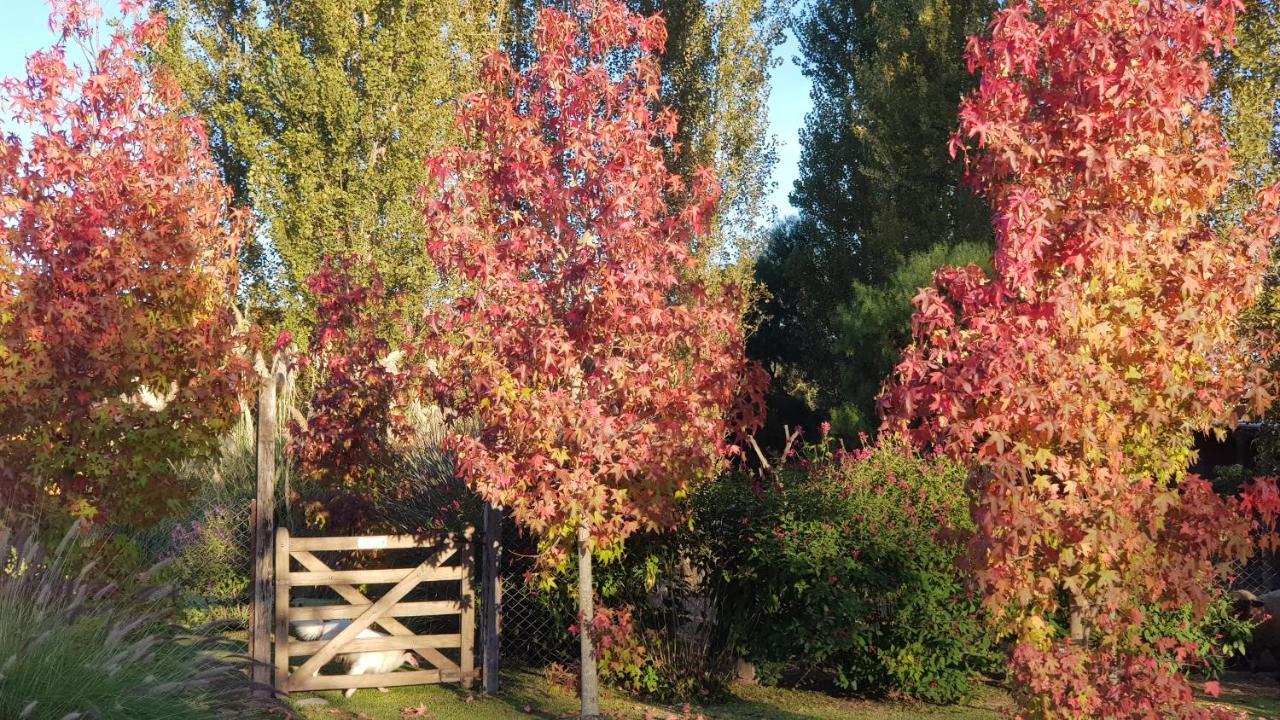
602	367
117	273
344	443
1078	375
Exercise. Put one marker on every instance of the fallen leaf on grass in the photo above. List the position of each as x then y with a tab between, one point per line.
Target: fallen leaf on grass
415	712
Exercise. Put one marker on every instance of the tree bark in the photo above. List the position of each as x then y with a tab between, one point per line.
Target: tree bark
1078	634
589	684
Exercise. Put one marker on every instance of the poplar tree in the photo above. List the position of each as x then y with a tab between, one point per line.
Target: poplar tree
1247	96
875	174
878	195
321	115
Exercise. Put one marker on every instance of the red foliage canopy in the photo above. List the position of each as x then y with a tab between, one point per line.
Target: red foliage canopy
1079	374
117	270
343	445
602	366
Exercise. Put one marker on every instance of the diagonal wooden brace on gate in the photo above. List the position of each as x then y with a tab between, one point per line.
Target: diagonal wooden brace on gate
349	633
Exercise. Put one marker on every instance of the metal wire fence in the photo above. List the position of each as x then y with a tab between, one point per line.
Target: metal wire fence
210	554
1258	575
535	621
534	632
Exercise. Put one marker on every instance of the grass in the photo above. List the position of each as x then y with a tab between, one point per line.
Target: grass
528	695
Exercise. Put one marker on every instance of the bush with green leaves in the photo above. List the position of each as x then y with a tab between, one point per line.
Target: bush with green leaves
209	545
843	568
1218	634
212	566
663	638
72	646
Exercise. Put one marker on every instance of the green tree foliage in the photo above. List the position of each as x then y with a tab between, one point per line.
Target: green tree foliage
717	64
1247	94
874	326
715	71
875	173
877	191
831	345
806	277
321	115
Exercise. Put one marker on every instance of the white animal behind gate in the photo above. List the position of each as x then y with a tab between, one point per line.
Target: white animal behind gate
360	663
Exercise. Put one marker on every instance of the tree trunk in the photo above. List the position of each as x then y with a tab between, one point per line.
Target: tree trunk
590	684
1078	634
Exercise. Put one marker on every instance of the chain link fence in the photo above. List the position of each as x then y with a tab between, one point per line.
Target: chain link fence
535	621
1258	575
209	549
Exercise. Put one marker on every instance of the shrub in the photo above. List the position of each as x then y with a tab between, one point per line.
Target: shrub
212	567
209	544
653	631
661	603
844	567
1216	635
72	647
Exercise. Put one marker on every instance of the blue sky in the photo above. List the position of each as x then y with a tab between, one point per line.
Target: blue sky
788	103
25	29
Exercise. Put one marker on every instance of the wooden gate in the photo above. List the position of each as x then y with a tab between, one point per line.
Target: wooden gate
449	560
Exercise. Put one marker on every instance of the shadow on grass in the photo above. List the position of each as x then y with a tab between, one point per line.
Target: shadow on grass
521	690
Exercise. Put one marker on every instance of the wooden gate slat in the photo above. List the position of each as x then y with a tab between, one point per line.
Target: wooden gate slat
403	609
352	595
358	542
378	644
373	577
341	682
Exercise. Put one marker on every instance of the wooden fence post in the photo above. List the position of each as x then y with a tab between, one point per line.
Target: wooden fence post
253	596
264	530
281	660
467	620
491	592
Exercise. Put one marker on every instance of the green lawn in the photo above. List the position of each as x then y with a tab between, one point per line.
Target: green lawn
529	695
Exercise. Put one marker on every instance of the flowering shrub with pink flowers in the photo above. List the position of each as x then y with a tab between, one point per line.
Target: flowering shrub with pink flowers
211	568
842	568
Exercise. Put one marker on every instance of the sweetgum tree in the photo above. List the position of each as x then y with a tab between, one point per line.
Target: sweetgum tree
117	270
603	372
344	443
1078	374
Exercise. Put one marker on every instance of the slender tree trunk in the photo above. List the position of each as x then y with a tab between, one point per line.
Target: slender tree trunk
590	684
1078	634
1077	627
